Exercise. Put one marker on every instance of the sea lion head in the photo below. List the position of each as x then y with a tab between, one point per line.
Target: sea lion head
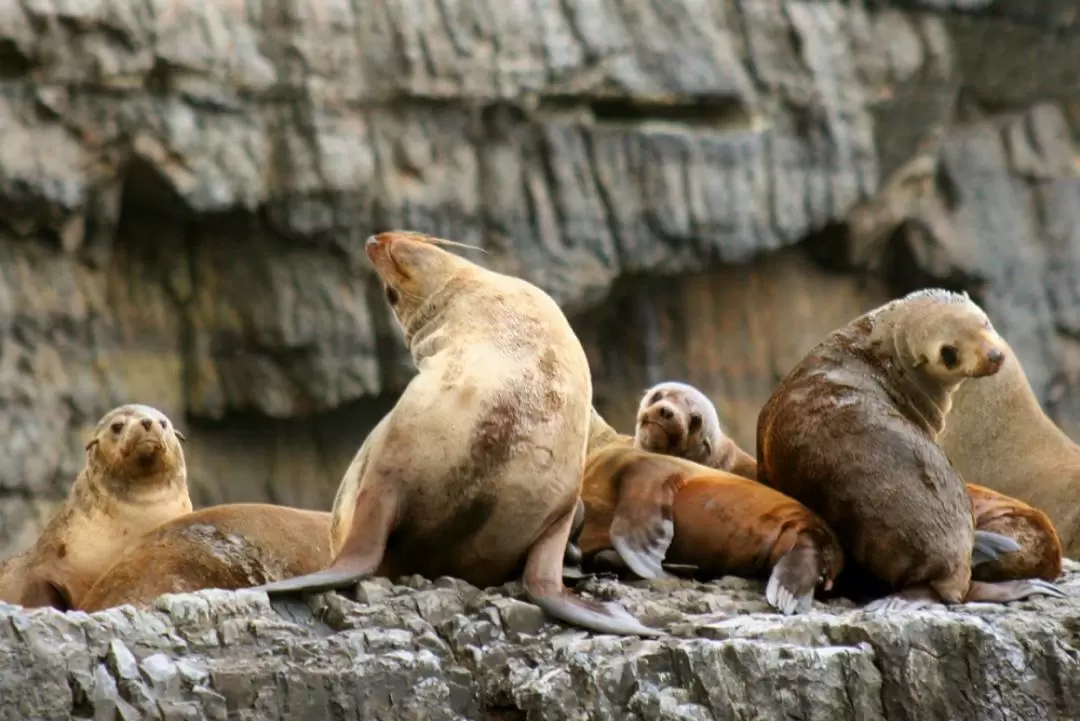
135	445
947	338
677	419
413	269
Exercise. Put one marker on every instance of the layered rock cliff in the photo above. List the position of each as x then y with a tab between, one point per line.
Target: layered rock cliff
707	187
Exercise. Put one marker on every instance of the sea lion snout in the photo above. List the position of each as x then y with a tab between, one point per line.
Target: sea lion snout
993	357
663	419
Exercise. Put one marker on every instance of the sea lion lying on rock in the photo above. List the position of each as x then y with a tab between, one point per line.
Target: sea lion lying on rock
135	479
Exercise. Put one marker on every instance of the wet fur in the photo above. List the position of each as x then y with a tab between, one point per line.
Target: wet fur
114	500
229	546
850	432
722	523
475	472
998	434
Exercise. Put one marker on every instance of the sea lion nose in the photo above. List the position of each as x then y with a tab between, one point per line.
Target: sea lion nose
995	356
146	423
666	413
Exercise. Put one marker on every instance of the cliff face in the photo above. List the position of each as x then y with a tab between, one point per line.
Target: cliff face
707	187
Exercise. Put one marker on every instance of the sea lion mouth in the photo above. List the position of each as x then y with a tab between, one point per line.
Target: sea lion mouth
146	453
655	436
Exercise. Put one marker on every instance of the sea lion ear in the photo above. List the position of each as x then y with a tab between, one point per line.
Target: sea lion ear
90	444
179	436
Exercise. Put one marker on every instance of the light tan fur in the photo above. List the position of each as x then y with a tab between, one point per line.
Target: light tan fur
237	545
677	419
998	435
476	471
135	479
851	433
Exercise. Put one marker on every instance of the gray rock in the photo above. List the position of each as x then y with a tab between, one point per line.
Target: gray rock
489	654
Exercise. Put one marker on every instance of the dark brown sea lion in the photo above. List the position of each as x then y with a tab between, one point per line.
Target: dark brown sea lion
851	433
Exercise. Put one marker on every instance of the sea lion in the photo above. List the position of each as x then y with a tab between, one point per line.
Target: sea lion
851	433
476	471
997	434
654	508
134	479
677	419
236	545
1040	550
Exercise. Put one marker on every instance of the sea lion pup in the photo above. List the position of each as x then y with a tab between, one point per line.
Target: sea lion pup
134	479
1040	550
652	508
475	473
850	432
236	545
998	434
677	419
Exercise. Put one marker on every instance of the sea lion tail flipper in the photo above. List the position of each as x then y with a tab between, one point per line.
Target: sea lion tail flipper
791	585
1006	591
374	516
989	545
544	587
642	528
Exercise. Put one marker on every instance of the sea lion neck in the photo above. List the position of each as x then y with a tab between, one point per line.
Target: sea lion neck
601	434
922	401
422	327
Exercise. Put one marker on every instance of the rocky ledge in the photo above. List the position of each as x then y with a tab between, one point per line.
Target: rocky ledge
446	650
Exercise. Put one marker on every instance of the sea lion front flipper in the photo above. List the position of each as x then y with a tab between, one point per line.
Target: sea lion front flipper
544	587
373	519
1006	591
642	528
791	584
989	545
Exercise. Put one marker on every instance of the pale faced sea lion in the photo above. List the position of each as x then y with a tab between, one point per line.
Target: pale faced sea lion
655	509
476	471
135	479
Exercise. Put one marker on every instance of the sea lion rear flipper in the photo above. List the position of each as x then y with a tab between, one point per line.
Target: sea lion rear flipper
373	519
544	587
642	528
791	585
908	599
1006	591
989	545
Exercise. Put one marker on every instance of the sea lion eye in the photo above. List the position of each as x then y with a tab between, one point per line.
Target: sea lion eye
392	296
164	424
656	397
695	421
117	426
949	356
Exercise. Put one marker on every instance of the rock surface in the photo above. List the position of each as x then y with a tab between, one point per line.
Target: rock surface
185	187
446	650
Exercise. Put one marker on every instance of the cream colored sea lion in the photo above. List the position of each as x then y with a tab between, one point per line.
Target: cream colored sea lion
850	432
654	509
677	419
476	471
135	478
237	545
1040	550
998	434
